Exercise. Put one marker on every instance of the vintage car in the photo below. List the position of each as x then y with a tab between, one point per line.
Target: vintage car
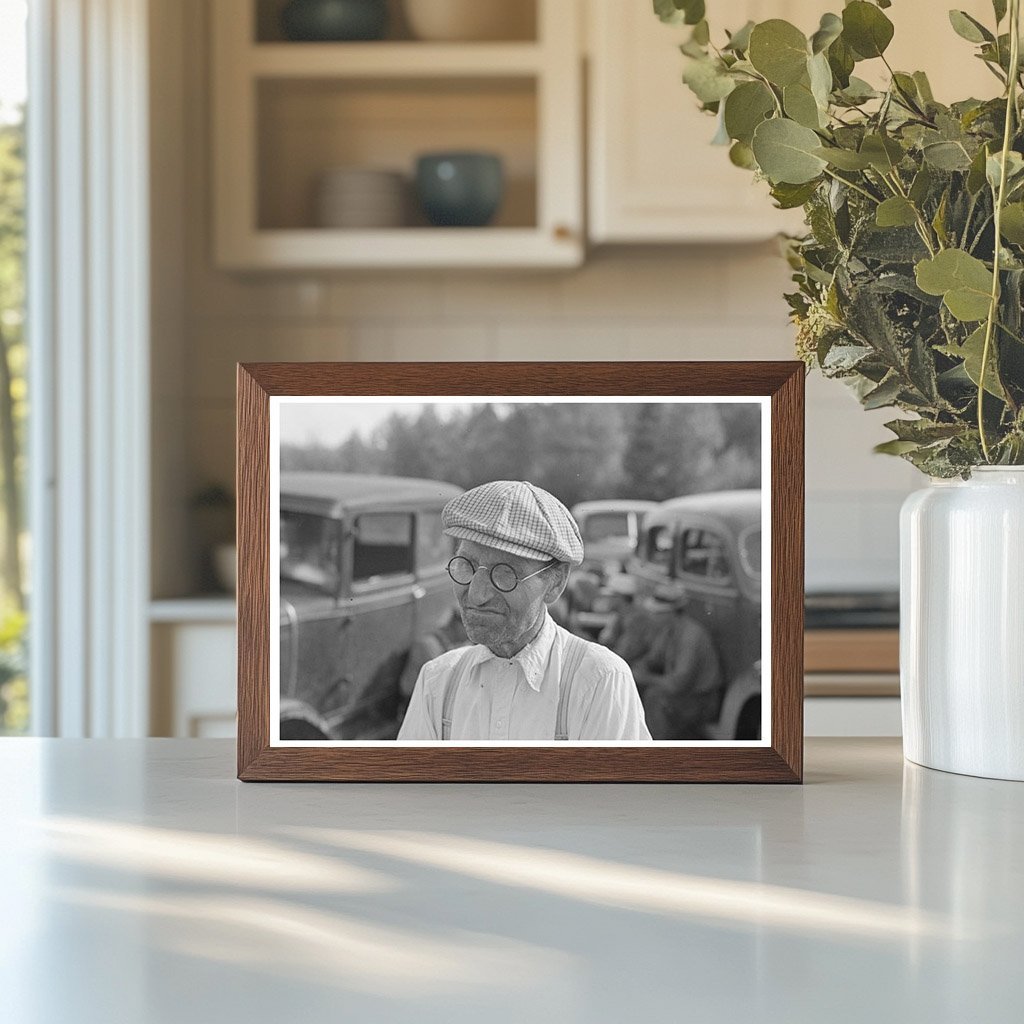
610	529
362	577
706	549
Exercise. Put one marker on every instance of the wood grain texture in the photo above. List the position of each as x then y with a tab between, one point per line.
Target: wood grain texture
782	761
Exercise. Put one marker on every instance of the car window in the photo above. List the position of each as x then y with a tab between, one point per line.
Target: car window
750	551
382	546
702	553
600	526
658	547
433	548
309	550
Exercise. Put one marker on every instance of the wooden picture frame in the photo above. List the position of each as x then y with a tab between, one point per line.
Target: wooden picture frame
777	757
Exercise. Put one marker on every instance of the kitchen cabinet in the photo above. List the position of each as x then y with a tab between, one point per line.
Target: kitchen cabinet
193	673
653	175
286	113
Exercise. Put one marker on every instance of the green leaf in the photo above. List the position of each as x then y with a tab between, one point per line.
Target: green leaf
789	197
968	28
829	30
924	88
707	80
963	281
895	447
785	152
679	12
701	33
745	108
841	60
866	29
885	394
994	167
820	75
921	185
800	105
844	159
1011	225
742	155
976	174
778	50
999	7
946	156
923	431
896	212
739	41
971	352
883	153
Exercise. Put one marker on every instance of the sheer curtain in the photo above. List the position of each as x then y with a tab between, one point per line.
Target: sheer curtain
88	301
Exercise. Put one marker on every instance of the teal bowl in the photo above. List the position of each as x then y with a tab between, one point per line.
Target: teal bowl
333	21
460	189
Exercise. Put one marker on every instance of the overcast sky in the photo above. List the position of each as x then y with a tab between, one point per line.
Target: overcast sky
331	422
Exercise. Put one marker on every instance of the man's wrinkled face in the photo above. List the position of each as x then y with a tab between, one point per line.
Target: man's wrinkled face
504	622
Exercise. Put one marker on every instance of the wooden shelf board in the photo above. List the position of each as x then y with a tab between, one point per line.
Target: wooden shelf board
392	60
402	247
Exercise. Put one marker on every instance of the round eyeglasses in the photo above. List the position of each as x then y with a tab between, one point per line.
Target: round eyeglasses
503	576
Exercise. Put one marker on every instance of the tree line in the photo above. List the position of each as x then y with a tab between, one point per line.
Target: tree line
578	452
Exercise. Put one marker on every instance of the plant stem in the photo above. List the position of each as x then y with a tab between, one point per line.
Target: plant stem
855	187
922	225
993	308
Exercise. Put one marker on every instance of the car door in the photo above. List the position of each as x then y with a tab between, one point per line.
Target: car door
704	567
377	617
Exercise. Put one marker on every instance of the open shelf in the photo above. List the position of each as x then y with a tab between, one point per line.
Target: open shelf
288	113
306	128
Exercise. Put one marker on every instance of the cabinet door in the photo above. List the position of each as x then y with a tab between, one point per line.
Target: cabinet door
653	174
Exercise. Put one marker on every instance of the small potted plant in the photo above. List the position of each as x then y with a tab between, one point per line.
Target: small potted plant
908	289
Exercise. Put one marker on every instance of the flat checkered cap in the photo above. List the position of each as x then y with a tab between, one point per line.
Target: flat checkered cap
515	516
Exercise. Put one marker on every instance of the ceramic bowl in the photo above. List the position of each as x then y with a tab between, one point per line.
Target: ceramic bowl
334	20
460	189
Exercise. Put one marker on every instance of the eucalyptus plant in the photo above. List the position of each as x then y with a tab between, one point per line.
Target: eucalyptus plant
909	279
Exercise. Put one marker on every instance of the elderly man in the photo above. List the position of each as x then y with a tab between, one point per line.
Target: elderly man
524	678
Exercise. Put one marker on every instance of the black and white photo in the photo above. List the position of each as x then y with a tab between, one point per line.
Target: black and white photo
519	571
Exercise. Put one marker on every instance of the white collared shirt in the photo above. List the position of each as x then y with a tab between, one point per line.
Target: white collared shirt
517	698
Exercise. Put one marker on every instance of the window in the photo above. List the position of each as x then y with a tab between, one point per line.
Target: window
310	550
433	548
703	554
750	551
602	525
14	546
659	547
382	546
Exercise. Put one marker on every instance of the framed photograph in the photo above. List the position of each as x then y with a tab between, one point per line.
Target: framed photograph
520	572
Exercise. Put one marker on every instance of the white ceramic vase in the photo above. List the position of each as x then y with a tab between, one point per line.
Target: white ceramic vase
962	624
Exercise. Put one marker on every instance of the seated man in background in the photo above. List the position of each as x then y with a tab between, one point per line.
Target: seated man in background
524	677
680	676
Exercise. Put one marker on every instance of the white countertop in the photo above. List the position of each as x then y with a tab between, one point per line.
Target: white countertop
143	884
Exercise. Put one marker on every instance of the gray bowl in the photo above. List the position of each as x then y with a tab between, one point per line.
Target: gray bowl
460	189
334	20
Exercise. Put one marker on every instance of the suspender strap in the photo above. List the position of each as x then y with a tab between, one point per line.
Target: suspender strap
451	687
575	649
